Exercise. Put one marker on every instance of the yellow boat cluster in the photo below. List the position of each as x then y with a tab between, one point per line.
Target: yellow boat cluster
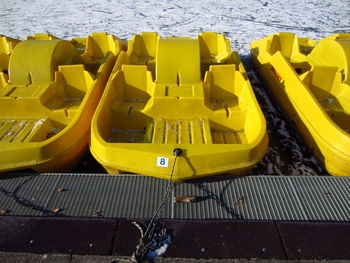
133	102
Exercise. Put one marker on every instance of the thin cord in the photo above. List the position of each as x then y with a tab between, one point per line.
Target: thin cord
177	152
170	184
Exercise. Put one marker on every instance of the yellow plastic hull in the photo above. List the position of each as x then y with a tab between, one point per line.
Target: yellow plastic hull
310	80
49	97
183	93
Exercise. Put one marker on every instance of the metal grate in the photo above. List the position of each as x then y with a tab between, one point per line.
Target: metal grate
135	196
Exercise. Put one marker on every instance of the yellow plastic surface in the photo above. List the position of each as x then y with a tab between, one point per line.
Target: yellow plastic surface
48	98
167	93
7	45
311	81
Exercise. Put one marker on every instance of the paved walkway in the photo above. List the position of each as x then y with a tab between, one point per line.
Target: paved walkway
59	258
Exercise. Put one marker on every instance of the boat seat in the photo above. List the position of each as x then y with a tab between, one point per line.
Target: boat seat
142	49
333	52
214	48
35	61
178	62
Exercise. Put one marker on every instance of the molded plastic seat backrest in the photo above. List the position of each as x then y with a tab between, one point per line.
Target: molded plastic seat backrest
144	45
178	61
213	45
35	61
99	44
336	53
282	42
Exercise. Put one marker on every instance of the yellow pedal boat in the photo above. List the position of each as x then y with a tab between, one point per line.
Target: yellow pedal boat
49	90
167	93
311	81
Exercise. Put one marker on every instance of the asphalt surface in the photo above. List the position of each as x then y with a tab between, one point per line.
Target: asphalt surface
60	258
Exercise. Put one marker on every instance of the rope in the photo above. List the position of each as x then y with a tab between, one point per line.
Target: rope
146	237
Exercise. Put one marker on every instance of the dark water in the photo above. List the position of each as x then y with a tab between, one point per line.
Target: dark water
287	153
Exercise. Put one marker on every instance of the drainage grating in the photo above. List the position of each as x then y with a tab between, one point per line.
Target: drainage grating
296	198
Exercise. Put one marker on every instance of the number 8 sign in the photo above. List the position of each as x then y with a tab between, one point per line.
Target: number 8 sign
162	161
